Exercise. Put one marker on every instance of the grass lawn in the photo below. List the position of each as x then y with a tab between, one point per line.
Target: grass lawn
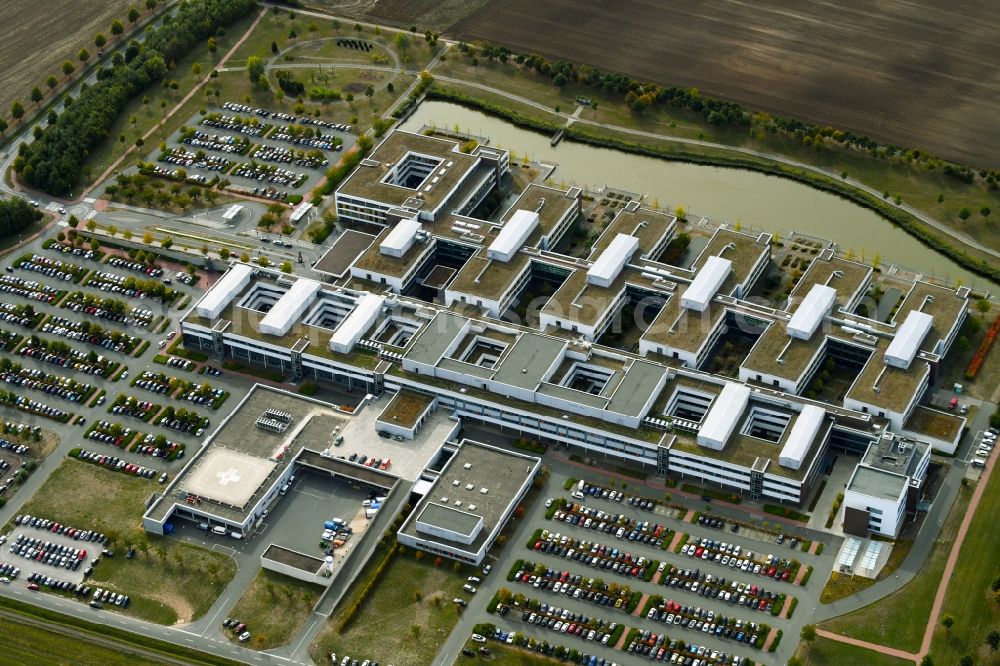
825	652
27	644
969	598
986	385
394	624
503	655
274	607
898	620
169	581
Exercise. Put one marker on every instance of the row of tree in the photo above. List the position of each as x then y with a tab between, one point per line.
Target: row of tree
53	162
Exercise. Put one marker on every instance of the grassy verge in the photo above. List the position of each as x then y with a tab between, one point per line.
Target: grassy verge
506	655
785	512
28	644
59	621
970	599
274	607
167	580
720	495
899	619
378	630
826	652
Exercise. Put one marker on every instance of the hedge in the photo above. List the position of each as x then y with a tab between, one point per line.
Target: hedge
633	602
629	637
535	536
650	571
785	512
819	548
683	541
359	598
570	482
774	643
514	569
791	608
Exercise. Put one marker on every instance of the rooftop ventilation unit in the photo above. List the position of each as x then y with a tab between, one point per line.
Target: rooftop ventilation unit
483	491
467	466
469	486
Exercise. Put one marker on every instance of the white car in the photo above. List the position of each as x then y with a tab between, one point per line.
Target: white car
479	639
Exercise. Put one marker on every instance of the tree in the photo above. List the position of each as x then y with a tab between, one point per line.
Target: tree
985	211
17	110
255	69
117	28
274	47
964	213
196	69
91	225
83	55
224	253
100	40
133	15
51	82
966	660
150	4
68	68
285	267
927	661
3	126
993	640
212	45
808	633
983	306
402	41
680	213
127	234
369	92
948	621
36	95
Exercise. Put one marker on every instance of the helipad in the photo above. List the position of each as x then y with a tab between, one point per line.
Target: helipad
228	477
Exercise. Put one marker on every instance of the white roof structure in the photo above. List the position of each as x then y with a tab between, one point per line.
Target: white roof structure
611	262
722	418
232	212
224	291
702	289
400	239
906	343
793	453
300	211
512	236
362	317
809	315
289	307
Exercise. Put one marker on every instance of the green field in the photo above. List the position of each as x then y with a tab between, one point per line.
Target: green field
825	652
969	598
274	607
899	619
381	631
167	580
27	644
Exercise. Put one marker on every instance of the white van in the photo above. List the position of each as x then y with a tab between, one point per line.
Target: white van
219	529
284	489
236	535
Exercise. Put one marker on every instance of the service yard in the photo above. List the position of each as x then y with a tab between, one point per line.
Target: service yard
903	73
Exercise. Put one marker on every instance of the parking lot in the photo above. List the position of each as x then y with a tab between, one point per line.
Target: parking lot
261	153
695	609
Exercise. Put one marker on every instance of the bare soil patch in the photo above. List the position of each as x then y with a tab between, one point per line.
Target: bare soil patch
918	75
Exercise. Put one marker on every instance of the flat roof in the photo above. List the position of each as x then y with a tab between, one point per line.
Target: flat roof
365	312
224	291
526	362
400	237
613	258
292	558
513	235
801	437
290	307
945	306
367	179
896	386
744	251
500	472
847	277
877	483
934	423
641	383
449	518
681	328
431	342
379	263
345	250
405	408
650	227
910	335
722	417
227	476
809	313
706	283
